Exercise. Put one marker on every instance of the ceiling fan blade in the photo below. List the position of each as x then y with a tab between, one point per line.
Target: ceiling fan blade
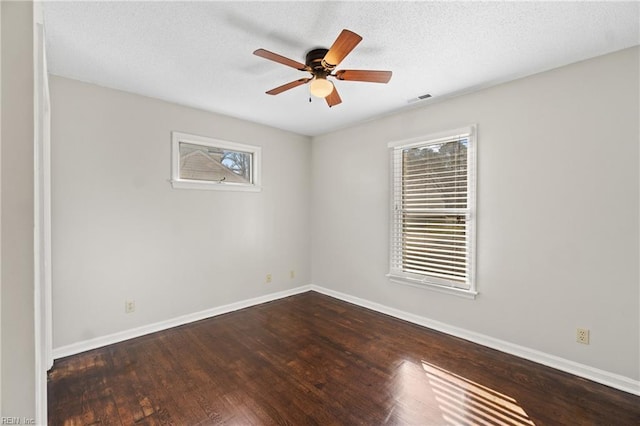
288	86
333	98
344	44
280	59
364	75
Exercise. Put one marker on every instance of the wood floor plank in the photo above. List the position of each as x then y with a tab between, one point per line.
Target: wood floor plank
310	359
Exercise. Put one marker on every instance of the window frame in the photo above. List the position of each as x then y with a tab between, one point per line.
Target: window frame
397	275
180	183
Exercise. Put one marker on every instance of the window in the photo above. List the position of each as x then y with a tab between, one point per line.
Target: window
433	211
204	163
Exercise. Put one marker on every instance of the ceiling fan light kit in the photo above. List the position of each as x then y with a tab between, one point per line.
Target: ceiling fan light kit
320	87
321	63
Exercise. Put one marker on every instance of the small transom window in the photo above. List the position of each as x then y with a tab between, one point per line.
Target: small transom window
206	163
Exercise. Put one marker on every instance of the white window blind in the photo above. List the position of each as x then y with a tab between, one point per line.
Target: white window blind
432	217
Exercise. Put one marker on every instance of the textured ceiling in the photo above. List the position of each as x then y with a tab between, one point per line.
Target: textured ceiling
199	54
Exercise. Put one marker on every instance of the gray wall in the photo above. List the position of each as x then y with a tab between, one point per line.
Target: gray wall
121	232
558	192
17	217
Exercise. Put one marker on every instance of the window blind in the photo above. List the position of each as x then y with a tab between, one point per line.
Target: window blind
431	211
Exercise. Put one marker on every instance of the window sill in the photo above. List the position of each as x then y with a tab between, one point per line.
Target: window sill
467	294
215	186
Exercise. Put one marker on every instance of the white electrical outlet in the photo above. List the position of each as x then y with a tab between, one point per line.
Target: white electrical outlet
129	306
268	278
582	336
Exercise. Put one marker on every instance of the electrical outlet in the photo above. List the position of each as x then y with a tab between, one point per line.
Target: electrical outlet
582	336
292	274
268	278
129	306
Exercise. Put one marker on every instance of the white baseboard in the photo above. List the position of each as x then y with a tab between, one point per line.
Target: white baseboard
600	376
86	345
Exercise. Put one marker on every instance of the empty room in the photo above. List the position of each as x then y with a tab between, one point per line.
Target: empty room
319	213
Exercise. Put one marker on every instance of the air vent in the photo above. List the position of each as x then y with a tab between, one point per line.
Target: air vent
419	98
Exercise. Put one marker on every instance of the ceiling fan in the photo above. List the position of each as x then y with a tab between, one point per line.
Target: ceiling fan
321	63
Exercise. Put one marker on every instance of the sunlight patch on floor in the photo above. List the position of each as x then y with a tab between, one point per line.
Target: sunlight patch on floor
463	401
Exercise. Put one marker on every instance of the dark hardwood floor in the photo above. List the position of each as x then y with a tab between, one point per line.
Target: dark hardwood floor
310	359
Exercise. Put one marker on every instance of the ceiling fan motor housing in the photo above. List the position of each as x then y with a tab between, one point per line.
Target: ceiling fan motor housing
315	61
